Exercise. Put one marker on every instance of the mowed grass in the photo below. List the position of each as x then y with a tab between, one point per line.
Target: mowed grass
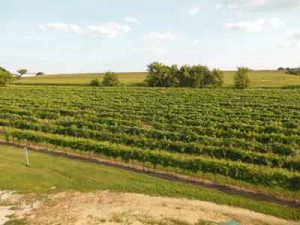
50	174
257	78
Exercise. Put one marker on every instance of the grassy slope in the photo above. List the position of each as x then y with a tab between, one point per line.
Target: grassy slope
258	79
265	79
80	79
47	172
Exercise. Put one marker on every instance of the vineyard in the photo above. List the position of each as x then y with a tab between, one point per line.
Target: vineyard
247	138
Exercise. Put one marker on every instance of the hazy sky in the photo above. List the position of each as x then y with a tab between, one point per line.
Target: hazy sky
125	35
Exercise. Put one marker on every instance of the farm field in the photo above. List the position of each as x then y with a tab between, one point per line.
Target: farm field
79	79
68	182
257	78
247	138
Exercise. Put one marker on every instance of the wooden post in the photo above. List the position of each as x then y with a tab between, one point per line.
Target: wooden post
26	155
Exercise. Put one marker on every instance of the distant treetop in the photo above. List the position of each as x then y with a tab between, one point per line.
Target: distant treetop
22	71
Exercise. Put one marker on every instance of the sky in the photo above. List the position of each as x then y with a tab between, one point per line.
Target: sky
77	36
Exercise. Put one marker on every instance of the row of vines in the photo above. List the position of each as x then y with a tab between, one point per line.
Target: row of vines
251	136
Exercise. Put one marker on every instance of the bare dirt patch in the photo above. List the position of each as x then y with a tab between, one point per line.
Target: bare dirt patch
18	206
6	200
123	208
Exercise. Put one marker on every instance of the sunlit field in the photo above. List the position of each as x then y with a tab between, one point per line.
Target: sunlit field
257	79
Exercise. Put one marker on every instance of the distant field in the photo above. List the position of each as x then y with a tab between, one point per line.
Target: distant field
80	79
258	79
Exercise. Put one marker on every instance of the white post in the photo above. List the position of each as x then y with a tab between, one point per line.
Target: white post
26	155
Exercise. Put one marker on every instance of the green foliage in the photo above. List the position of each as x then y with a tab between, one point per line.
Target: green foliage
22	71
5	77
295	183
95	83
204	222
40	74
291	87
293	71
216	78
110	79
161	75
196	76
241	80
3	70
16	222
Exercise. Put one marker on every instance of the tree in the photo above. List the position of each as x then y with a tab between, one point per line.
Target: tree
195	76
184	76
200	76
95	83
192	76
171	76
157	73
110	79
293	71
217	78
5	77
241	80
39	74
22	71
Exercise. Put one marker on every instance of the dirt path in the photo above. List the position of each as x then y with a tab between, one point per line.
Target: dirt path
110	208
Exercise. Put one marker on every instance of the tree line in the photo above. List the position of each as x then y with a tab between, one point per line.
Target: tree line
161	75
195	76
292	71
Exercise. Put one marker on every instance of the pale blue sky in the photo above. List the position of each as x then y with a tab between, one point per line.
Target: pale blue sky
65	36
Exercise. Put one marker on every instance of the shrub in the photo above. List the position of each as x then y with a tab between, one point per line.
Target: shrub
22	71
95	83
39	74
215	78
5	77
241	80
110	79
3	70
294	71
